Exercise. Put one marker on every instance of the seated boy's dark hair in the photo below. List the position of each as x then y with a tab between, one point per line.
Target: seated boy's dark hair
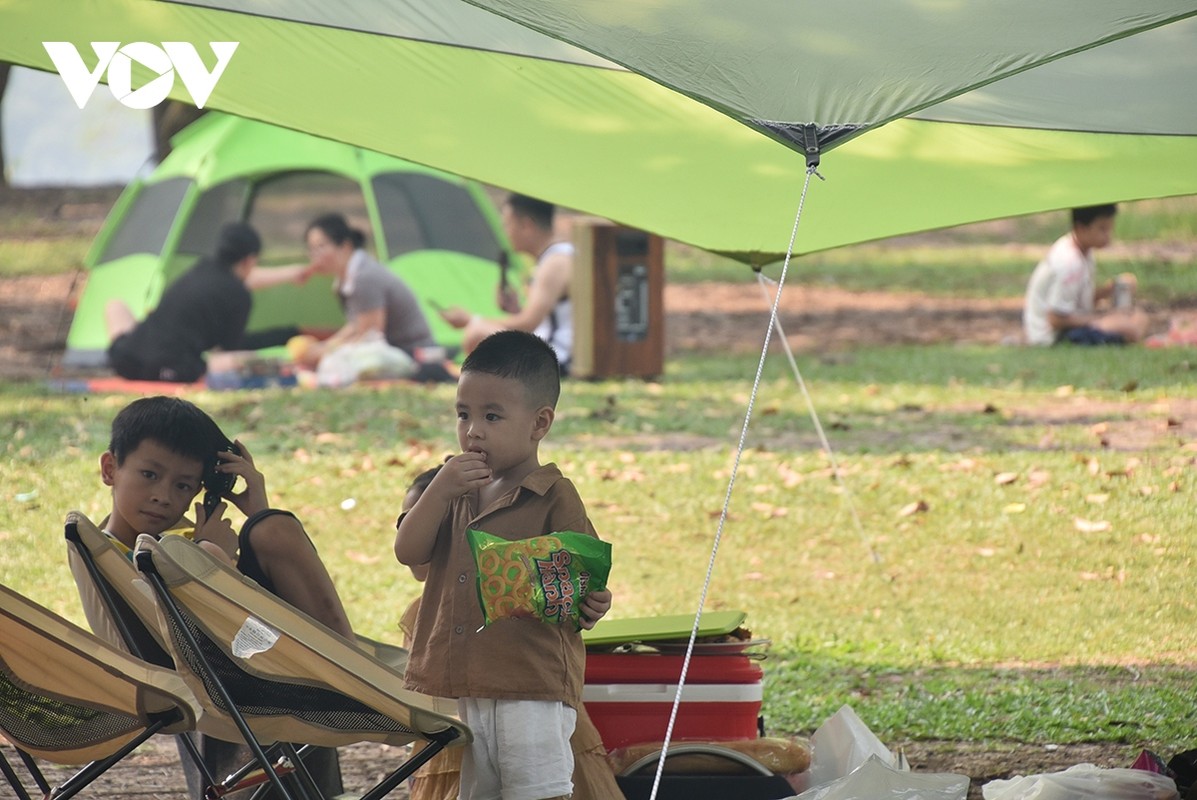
176	424
520	356
237	240
538	211
421	481
1085	215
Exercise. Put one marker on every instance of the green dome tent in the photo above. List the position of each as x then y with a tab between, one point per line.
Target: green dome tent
438	232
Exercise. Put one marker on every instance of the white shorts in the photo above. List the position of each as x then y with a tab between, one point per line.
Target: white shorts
520	750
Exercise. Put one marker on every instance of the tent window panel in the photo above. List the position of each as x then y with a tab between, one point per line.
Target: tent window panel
422	211
146	224
215	207
284	205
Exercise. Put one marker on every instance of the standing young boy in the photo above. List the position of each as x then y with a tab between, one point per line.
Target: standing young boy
518	682
1062	294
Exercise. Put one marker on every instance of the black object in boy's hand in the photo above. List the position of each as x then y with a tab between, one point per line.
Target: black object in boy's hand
217	484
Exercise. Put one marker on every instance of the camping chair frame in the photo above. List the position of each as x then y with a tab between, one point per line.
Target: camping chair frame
139	638
207	658
153	699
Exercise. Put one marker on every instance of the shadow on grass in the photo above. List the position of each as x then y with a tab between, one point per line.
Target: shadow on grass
1147	706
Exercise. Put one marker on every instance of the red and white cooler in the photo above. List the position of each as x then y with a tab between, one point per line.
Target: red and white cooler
629	696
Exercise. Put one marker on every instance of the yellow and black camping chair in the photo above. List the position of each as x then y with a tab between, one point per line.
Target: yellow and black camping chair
277	674
69	697
120	607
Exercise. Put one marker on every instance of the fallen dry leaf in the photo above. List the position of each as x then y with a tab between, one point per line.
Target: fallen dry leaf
1097	498
1014	508
1090	526
1005	478
1038	477
986	552
913	508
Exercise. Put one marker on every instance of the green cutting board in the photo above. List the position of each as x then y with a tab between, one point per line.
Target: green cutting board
656	629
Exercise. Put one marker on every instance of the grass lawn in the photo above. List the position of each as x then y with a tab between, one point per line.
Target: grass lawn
984	567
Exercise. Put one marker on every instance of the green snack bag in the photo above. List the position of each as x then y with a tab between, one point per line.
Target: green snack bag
544	578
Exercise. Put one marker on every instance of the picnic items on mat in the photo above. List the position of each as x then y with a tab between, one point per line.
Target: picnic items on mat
544	578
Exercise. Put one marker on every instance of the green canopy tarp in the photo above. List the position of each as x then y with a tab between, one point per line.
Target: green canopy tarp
686	117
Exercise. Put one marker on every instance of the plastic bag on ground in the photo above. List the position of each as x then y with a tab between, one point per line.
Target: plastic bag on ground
1084	781
875	779
843	743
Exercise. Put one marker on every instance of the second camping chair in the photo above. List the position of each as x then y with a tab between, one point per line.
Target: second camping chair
279	675
68	697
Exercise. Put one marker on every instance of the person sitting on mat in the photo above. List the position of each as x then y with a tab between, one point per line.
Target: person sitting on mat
207	308
1062	295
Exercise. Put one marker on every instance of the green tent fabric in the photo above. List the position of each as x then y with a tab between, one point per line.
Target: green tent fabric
437	231
686	118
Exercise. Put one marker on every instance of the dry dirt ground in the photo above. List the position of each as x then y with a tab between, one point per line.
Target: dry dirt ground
35	313
153	772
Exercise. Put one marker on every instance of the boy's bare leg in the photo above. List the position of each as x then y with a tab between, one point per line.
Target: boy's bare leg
290	561
1131	324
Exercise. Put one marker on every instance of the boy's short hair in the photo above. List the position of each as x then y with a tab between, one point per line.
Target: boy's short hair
176	424
1085	215
520	356
539	211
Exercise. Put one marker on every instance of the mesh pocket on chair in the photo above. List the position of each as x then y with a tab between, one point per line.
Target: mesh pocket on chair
44	722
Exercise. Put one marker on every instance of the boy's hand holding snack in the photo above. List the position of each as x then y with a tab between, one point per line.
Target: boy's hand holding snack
462	473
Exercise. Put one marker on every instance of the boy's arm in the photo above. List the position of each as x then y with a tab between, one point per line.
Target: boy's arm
417	529
415	534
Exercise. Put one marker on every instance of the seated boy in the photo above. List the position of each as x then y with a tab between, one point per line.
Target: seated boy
518	682
160	451
1062	293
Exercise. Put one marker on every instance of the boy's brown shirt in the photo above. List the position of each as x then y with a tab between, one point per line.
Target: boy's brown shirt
511	659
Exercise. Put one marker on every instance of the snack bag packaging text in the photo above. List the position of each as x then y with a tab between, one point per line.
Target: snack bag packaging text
544	578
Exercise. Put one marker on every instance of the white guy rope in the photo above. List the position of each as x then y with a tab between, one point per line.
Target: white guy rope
814	416
756	383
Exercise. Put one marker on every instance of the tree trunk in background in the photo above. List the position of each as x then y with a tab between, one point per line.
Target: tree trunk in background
4	69
169	118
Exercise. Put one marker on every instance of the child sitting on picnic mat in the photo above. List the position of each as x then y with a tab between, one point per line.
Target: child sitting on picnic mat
518	682
440	778
162	452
